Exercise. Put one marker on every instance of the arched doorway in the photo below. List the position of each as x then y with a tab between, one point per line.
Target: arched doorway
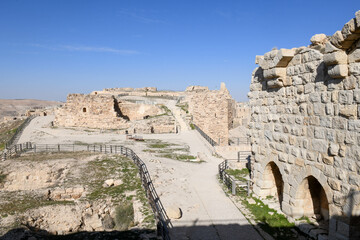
311	201
273	184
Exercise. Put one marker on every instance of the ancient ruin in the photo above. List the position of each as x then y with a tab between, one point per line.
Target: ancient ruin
107	112
305	131
212	111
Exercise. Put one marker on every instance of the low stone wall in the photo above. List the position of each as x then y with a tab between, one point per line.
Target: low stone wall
305	130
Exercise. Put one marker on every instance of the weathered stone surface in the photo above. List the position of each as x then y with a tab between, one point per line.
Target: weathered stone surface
317	135
338	71
318	39
334	58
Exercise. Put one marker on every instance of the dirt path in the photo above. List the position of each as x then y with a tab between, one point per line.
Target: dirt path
207	213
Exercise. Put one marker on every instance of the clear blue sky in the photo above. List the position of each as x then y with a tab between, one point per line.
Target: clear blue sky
51	48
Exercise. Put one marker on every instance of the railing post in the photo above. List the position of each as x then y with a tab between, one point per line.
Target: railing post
58	147
248	188
233	186
239	156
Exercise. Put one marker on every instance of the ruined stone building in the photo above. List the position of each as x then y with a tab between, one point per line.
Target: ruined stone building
242	114
107	112
305	130
212	111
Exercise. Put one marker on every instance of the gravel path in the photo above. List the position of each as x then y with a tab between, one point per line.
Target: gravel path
207	213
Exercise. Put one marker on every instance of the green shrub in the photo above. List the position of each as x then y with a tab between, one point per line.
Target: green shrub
124	216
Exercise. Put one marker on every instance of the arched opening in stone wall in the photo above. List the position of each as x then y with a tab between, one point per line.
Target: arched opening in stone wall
84	109
152	130
311	201
273	183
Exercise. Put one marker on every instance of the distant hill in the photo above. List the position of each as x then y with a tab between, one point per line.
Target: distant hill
16	107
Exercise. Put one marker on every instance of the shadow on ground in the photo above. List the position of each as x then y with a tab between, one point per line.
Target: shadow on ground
218	231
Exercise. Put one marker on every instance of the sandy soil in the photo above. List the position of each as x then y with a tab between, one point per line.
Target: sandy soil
207	212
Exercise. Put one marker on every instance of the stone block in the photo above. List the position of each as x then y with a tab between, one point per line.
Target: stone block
354	56
337	39
319	109
349	111
275	73
333	149
357	95
346	97
282	58
319	145
275	83
350	83
327	159
335	58
318	39
338	71
329	48
354	69
354	125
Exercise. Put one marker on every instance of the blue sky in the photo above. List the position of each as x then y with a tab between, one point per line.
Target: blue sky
51	48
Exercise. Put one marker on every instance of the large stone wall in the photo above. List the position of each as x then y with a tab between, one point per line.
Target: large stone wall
305	130
106	112
212	111
242	114
90	111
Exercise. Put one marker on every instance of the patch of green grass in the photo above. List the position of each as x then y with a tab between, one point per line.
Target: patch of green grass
269	219
43	156
303	218
124	216
7	130
14	204
159	145
184	107
238	174
117	167
192	126
181	157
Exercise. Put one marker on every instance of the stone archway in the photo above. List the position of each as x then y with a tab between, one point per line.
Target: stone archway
311	200
273	184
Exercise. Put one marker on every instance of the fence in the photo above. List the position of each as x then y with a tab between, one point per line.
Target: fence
163	222
209	139
239	141
231	182
18	132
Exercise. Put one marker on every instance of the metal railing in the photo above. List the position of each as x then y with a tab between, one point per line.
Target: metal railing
163	221
18	132
231	182
239	140
202	133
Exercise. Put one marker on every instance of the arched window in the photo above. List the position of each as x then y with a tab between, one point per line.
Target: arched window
84	109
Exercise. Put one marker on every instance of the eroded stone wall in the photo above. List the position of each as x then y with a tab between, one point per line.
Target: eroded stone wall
305	121
90	111
211	111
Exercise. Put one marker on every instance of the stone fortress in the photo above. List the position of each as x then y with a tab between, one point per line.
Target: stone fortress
139	111
303	117
305	130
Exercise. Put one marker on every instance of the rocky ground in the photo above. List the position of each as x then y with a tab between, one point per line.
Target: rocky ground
49	196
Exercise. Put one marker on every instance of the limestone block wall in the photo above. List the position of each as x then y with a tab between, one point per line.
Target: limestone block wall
242	114
210	111
90	111
305	130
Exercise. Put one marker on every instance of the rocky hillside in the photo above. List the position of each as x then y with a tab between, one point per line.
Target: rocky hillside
16	107
57	196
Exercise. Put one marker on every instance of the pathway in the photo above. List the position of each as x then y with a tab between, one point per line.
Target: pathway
207	212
